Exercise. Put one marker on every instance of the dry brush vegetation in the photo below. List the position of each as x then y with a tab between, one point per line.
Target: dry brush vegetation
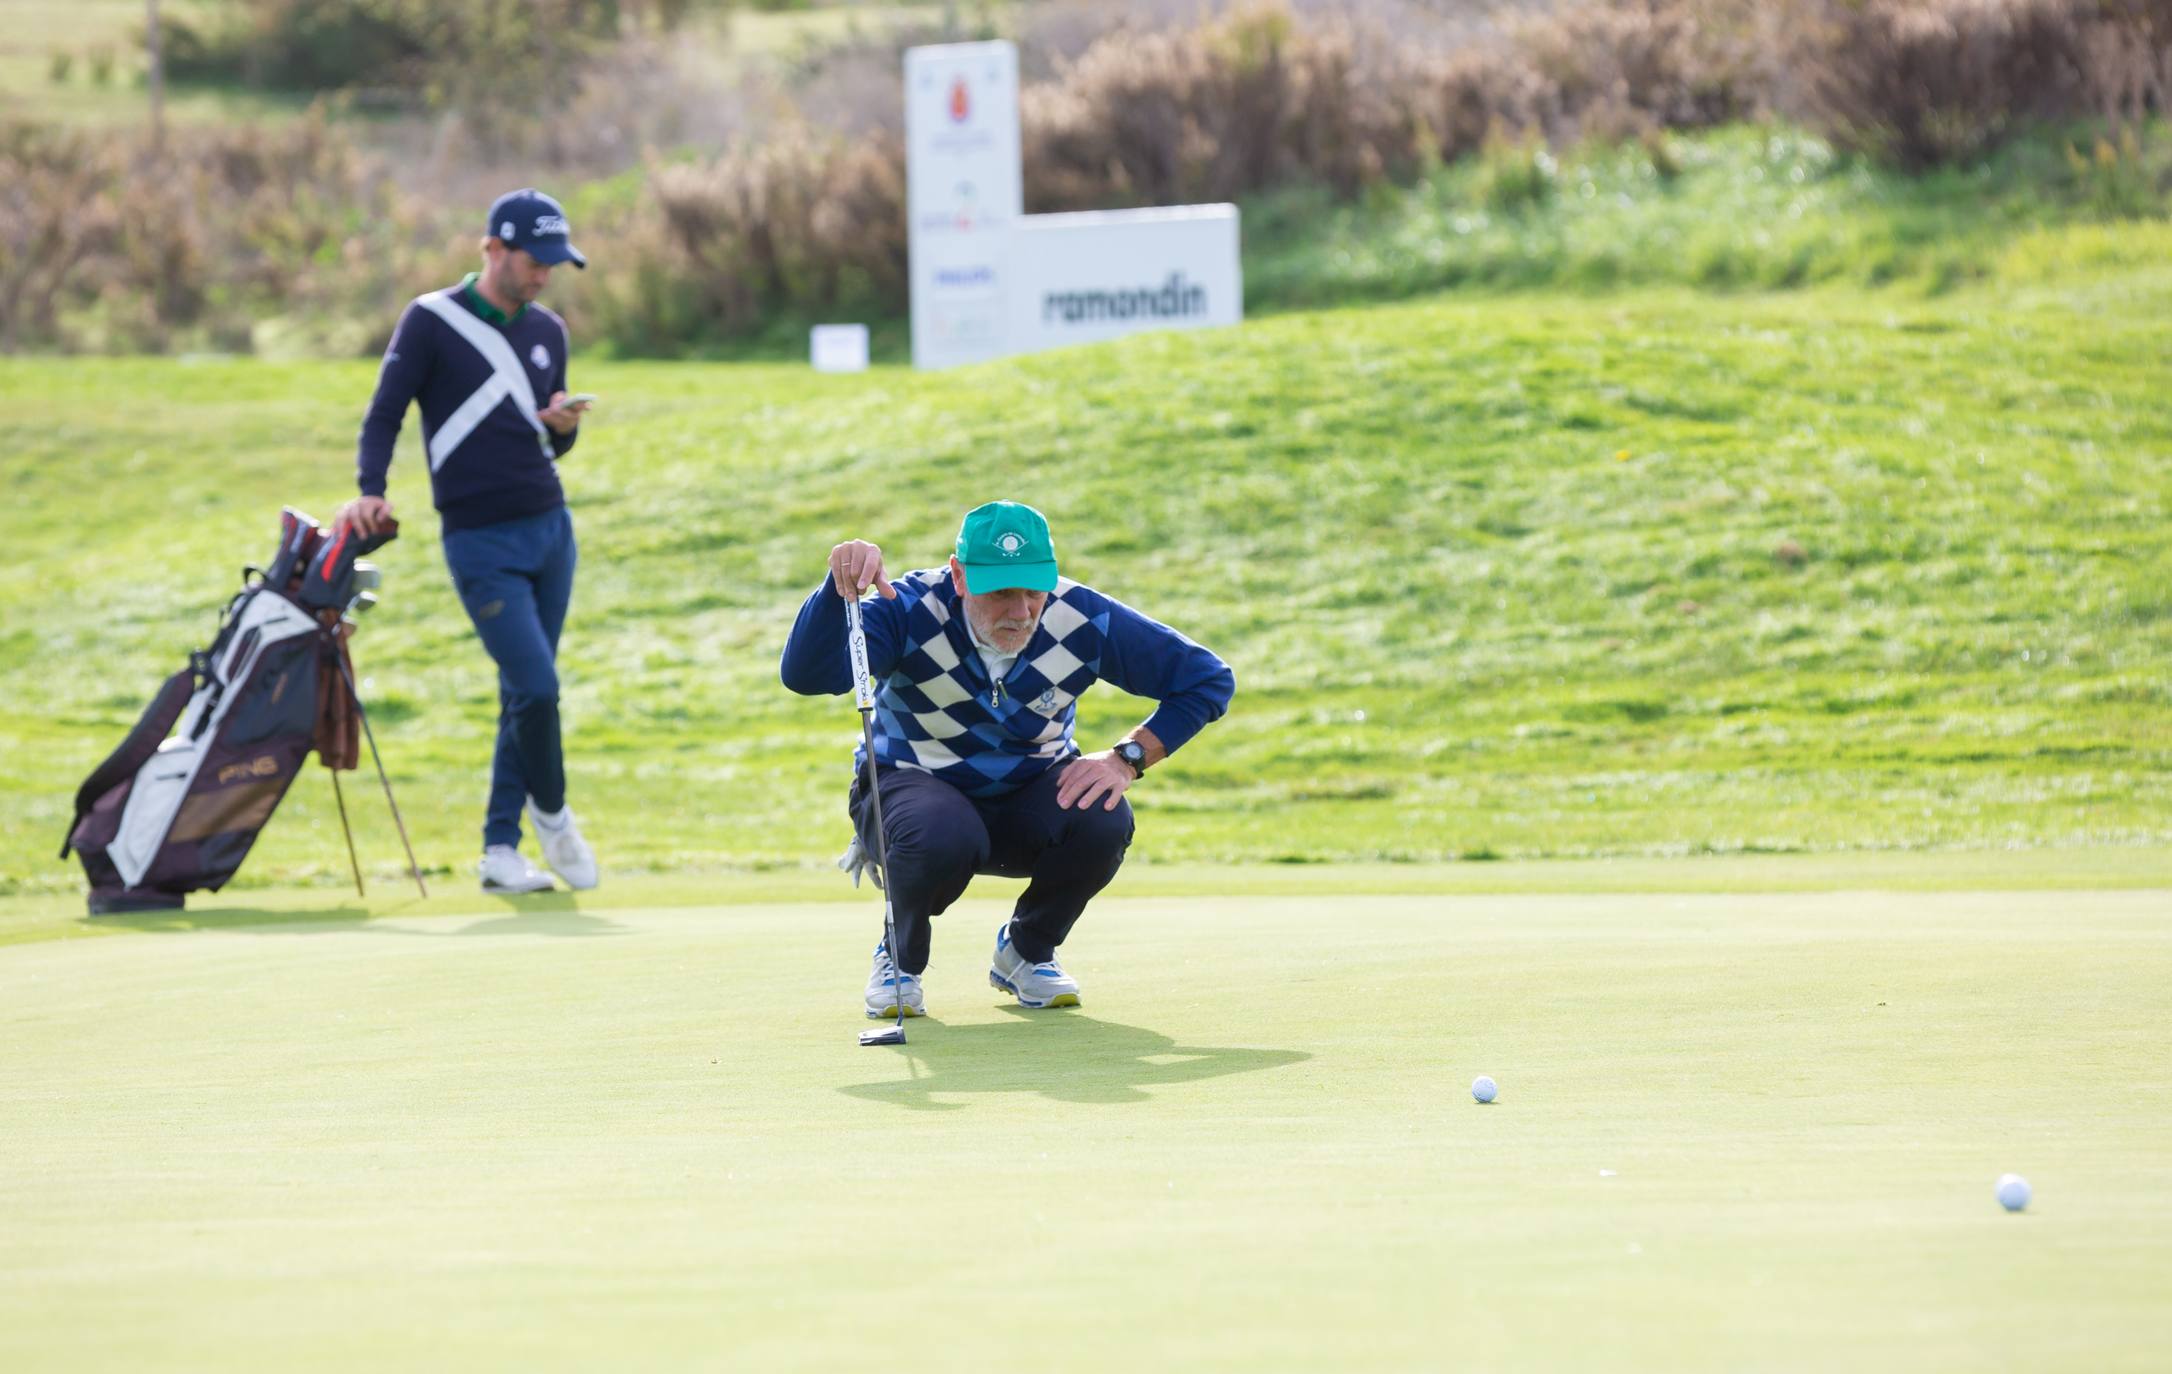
294	237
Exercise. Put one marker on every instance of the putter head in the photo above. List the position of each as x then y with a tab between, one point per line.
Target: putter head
892	1034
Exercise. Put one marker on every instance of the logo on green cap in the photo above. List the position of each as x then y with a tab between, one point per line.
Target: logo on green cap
1005	544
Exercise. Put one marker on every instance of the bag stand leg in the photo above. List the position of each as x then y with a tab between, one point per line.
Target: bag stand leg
371	735
352	862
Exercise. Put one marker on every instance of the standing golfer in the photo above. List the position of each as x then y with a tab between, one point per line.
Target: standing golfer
476	356
979	665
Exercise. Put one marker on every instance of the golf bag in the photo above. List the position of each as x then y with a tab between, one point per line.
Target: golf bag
173	810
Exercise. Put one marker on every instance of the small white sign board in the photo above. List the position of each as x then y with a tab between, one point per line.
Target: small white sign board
838	347
1101	274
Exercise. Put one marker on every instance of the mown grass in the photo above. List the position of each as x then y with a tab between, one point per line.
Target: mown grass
623	1137
1539	575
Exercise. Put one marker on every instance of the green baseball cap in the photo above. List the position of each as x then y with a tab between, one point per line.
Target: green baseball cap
1004	544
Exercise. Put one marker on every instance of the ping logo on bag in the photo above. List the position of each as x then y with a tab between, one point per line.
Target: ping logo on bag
262	766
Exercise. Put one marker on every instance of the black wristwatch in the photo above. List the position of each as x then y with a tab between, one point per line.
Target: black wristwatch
1132	753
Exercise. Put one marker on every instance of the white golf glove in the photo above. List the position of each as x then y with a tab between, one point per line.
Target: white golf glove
856	858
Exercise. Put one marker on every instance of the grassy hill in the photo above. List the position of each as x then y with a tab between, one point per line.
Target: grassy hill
1525	575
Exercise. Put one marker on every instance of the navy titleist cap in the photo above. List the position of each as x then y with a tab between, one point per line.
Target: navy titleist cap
528	219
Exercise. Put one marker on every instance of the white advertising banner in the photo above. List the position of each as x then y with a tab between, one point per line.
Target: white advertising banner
964	193
1101	274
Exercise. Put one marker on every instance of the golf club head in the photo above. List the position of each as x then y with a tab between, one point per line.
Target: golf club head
892	1034
333	574
362	602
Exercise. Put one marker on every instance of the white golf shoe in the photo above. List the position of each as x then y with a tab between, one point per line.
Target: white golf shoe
886	987
1034	985
506	869
563	848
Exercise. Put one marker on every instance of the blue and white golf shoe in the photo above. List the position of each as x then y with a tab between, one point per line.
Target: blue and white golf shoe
1034	985
885	987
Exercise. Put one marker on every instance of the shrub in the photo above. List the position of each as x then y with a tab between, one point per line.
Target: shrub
1617	71
1515	174
1211	113
502	58
710	251
109	243
1922	82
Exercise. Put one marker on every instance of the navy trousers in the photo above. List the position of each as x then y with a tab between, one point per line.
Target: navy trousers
938	838
516	580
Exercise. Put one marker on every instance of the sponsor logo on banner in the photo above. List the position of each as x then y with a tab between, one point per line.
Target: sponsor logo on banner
1175	299
975	277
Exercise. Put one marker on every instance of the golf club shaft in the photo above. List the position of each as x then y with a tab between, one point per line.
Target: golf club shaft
863	691
882	864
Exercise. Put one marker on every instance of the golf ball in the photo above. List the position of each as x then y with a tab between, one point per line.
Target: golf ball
1482	1088
2013	1192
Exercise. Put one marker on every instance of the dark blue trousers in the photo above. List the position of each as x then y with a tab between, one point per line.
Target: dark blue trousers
516	580
938	838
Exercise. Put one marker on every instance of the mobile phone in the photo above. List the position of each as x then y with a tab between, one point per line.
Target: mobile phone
579	399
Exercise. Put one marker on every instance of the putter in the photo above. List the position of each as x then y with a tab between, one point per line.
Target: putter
863	688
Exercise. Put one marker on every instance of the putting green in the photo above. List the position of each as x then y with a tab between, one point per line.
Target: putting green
1734	1131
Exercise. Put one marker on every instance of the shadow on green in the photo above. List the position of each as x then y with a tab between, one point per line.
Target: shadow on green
541	913
1063	1056
556	912
347	917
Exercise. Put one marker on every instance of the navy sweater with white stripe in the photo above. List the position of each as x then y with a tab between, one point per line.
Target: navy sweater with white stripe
499	472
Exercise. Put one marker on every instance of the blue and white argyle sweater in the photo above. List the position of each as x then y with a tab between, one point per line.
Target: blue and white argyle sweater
936	709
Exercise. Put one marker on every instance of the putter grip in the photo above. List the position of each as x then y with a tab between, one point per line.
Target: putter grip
863	686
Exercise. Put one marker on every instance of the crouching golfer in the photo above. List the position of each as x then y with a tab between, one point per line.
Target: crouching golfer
488	366
979	665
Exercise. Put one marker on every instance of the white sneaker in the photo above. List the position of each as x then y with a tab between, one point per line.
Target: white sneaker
563	848
1034	985
506	869
886	987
